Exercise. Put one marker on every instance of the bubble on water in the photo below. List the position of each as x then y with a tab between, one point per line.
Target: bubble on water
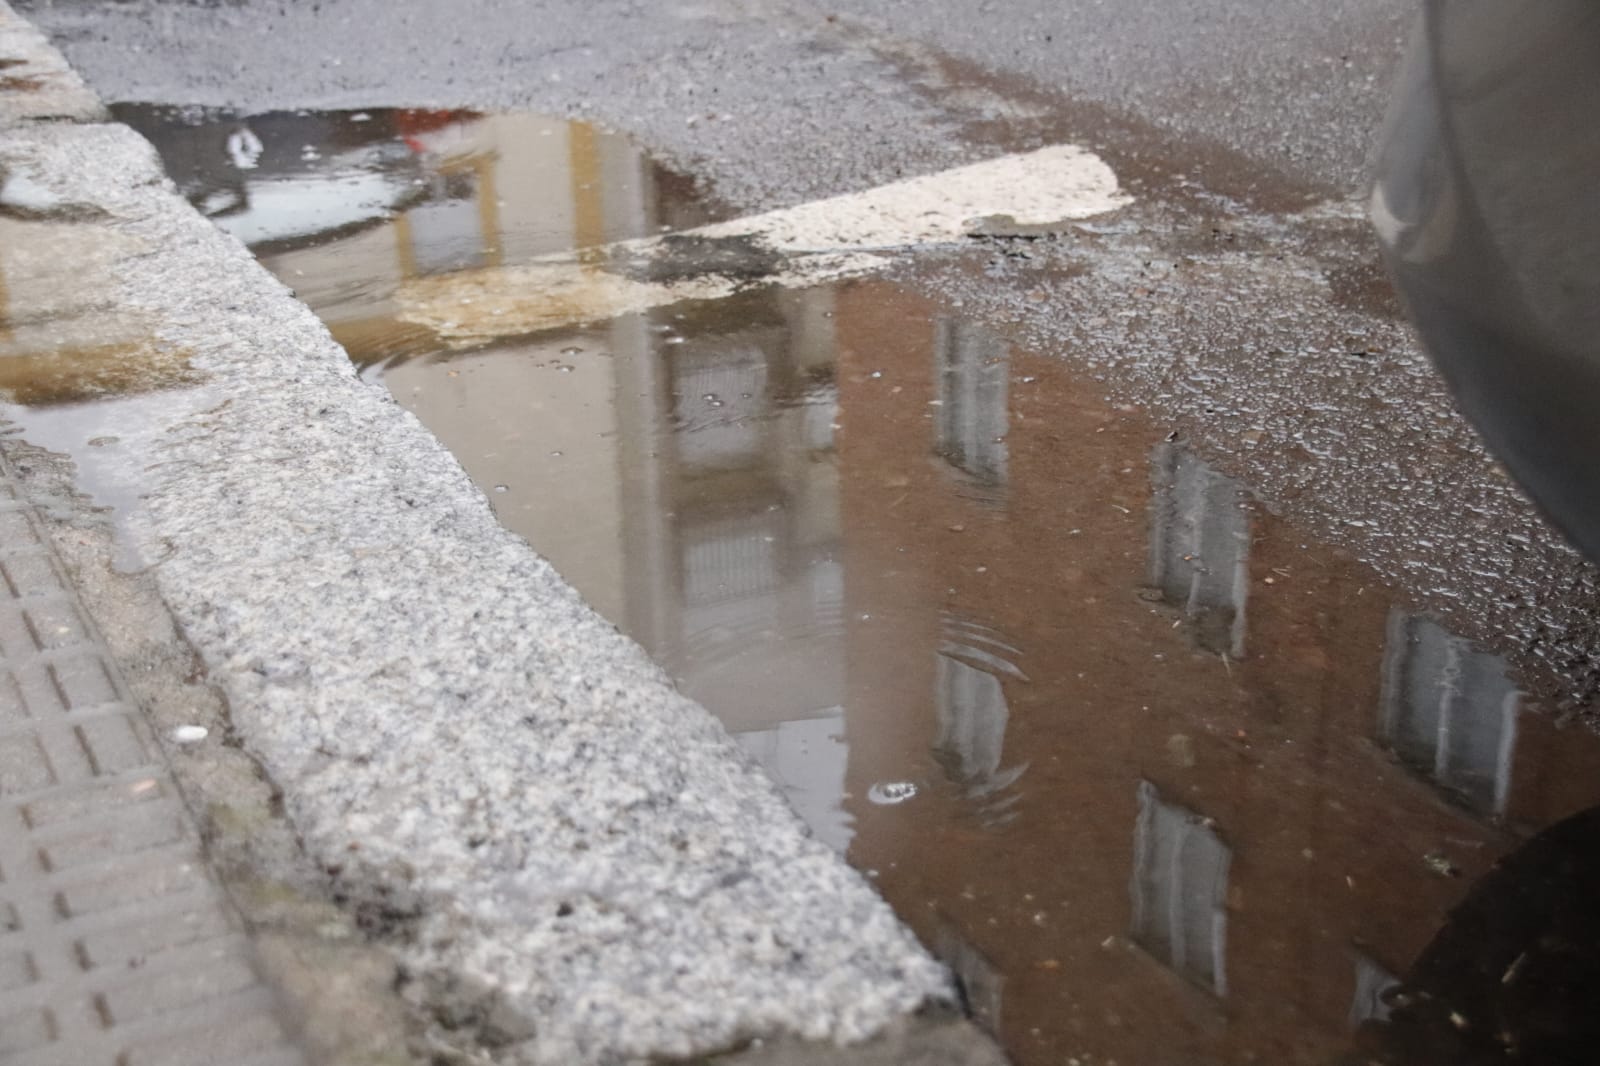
888	793
571	350
502	488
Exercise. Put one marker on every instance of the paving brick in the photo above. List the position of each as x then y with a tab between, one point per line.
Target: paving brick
83	682
25	1031
12	707
157	933
29	574
17	970
116	948
23	764
229	1036
84	803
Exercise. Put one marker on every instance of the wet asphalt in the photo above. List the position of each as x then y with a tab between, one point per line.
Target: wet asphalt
780	102
1240	298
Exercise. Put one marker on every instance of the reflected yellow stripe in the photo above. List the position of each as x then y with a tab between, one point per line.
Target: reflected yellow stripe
490	238
5	308
588	201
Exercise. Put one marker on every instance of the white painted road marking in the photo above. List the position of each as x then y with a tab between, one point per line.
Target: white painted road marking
1053	184
821	241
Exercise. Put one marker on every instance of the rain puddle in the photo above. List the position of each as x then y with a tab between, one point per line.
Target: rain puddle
1161	779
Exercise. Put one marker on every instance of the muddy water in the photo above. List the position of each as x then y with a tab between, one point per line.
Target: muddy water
1164	781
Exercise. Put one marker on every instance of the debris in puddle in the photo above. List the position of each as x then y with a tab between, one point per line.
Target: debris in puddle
1441	865
190	734
1511	971
1180	750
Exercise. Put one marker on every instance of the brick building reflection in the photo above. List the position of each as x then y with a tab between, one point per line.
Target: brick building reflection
1248	776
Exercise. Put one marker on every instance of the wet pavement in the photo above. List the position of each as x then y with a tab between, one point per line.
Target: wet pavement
1162	777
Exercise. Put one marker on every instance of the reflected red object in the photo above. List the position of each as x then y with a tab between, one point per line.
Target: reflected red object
410	124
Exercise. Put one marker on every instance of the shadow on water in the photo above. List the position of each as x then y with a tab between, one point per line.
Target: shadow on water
1161	779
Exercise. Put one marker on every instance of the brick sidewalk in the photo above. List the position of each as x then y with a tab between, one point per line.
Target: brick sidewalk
116	947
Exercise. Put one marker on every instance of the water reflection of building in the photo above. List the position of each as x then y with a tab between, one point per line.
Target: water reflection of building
1214	858
971	377
1450	711
747	607
1200	547
347	207
972	666
1179	888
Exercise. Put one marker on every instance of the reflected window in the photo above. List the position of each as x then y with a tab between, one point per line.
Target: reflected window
819	408
973	714
826	577
1449	711
1373	982
732	558
971	368
1180	883
721	399
1200	547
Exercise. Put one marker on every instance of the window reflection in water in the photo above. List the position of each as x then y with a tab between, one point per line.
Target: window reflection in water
1449	711
971	366
973	712
753	621
1200	547
1180	883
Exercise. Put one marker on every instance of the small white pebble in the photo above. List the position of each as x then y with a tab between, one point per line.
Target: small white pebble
190	734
